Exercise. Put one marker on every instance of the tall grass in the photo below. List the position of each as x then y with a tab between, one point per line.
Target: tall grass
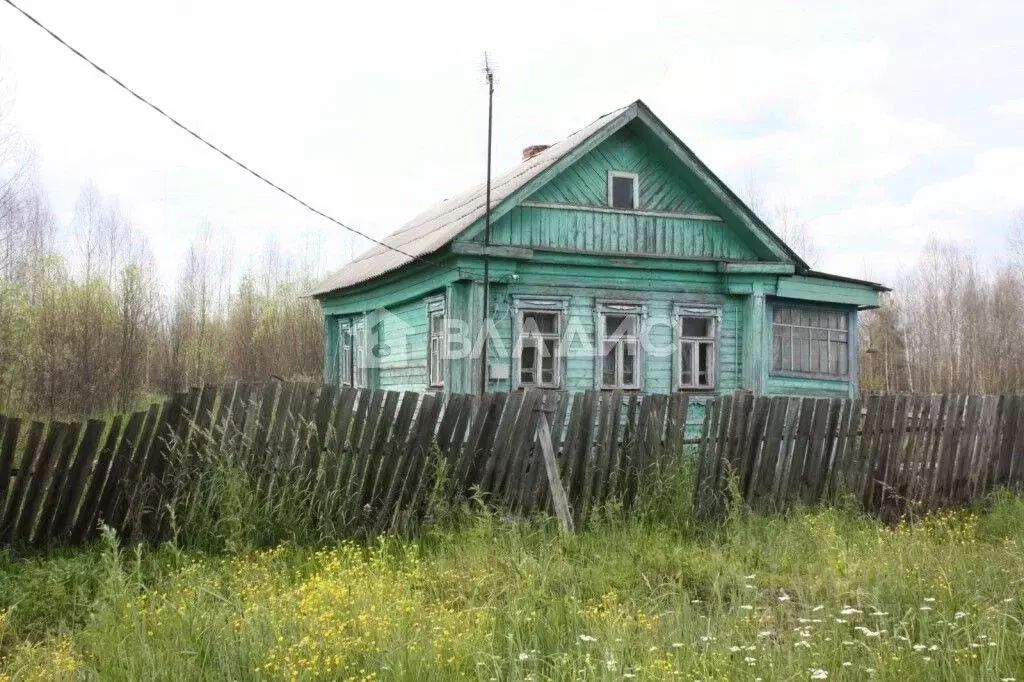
796	596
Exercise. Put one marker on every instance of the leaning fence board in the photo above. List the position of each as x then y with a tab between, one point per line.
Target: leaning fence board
71	491
86	520
60	472
39	478
21	482
9	429
127	513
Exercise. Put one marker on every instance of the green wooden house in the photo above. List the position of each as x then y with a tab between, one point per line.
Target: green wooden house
616	260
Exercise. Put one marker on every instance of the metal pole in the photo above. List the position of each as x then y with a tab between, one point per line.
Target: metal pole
489	74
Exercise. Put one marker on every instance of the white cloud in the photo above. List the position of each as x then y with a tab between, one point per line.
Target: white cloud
1008	109
973	209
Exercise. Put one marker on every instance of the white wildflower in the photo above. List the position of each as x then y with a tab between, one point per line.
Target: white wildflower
924	608
868	632
919	647
847	664
746	607
958	615
929	599
926	658
765	633
783	596
523	655
842	620
849	611
749	660
817	608
734	649
804	643
677	645
818	673
588	638
611	664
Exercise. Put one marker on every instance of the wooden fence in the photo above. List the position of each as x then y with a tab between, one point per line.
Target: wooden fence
896	454
378	449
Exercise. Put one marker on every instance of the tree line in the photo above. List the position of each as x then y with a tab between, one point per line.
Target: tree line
951	325
87	326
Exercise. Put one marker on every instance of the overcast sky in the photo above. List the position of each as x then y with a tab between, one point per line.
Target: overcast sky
881	122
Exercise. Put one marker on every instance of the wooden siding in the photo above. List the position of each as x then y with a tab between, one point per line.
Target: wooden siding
662	187
619	232
634	285
404	334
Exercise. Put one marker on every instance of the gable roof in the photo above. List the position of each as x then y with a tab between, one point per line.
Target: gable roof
440	224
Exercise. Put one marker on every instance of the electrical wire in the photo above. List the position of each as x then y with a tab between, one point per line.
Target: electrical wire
206	142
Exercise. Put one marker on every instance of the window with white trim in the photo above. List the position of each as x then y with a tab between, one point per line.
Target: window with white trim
810	341
352	369
437	354
696	344
539	347
345	352
620	347
623	190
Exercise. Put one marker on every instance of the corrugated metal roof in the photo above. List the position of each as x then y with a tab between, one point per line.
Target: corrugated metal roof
438	225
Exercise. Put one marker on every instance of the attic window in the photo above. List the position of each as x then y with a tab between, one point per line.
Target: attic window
623	190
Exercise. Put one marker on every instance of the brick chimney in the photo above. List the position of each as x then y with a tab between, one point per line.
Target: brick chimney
533	150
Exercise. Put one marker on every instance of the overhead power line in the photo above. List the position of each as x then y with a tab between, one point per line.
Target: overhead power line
199	137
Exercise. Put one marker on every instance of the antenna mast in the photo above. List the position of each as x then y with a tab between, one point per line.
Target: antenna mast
489	76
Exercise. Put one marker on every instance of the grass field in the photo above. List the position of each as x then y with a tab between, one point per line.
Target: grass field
809	595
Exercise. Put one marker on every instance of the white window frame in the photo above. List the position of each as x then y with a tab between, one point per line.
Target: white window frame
352	368
521	306
713	313
344	356
619	308
635	177
360	367
437	363
850	332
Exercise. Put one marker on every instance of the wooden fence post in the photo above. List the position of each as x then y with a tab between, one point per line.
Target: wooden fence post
558	498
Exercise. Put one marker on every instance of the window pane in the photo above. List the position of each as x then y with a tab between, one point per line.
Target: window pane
608	372
801	349
686	363
436	323
526	376
622	192
781	348
618	326
540	323
612	324
818	351
528	359
697	327
704	373
629	363
548	357
547	377
836	351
